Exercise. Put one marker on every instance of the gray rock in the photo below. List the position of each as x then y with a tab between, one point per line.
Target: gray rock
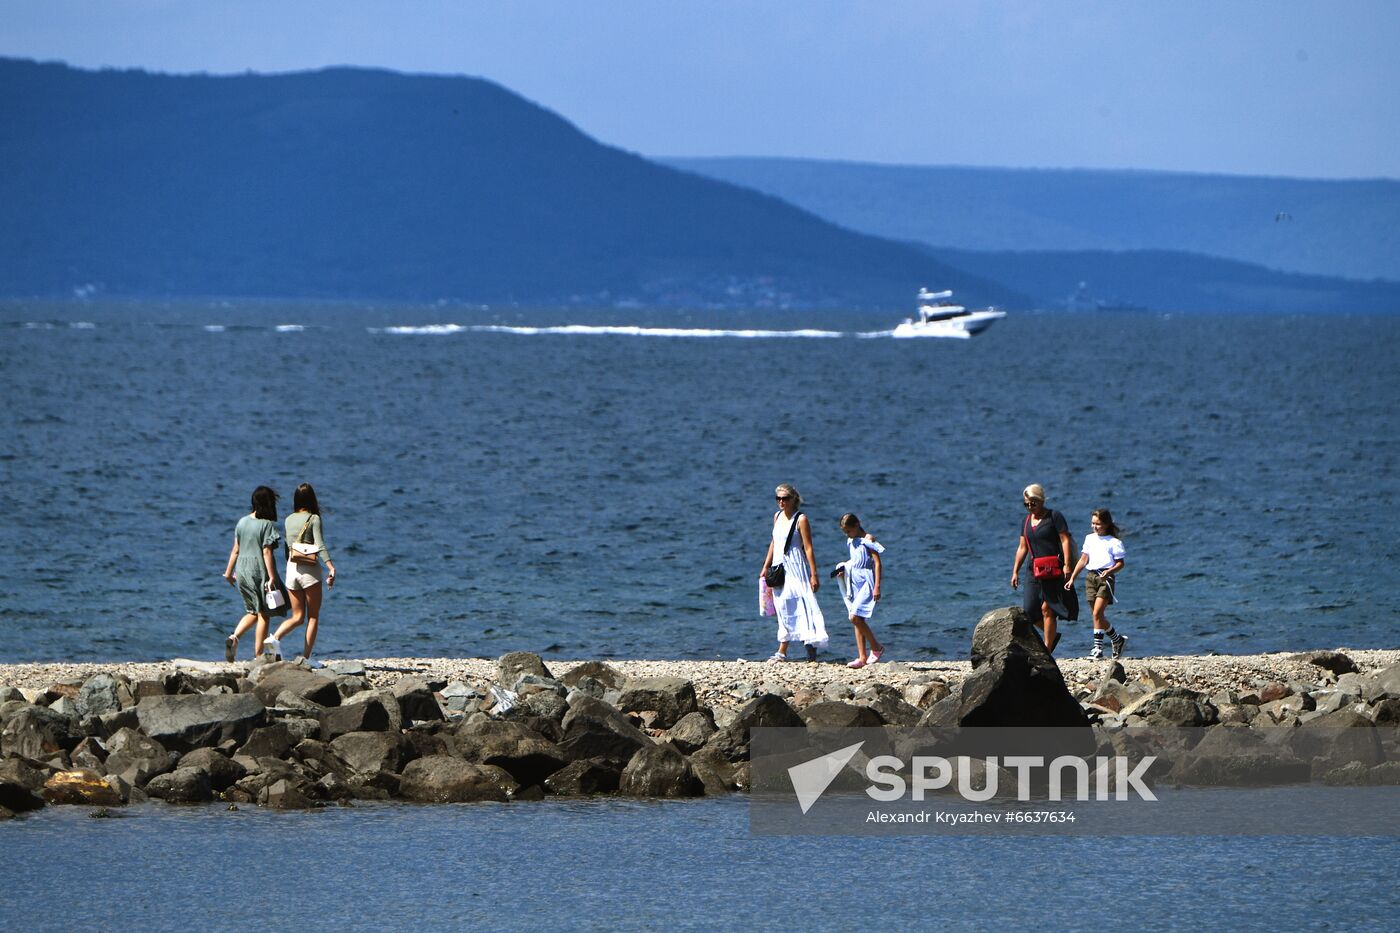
183	785
302	729
185	722
136	758
348	685
99	695
223	771
273	741
369	716
283	677
371	752
1384	684
660	771
691	732
18	798
584	779
833	715
528	684
1337	739
607	675
1337	699
716	771
670	697
923	695
446	779
286	794
292	702
1386	712
386	699
416	700
586	686
838	691
65	706
1288	707
593	729
732	741
546	705
511	665
1173	706
1333	661
8	694
889	704
1014	681
347	668
526	755
24	773
90	753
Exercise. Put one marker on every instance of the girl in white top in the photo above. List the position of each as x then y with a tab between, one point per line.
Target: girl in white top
860	575
1103	555
799	616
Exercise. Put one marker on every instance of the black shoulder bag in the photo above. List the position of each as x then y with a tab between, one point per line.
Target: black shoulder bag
776	572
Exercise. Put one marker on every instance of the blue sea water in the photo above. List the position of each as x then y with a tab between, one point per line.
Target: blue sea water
491	486
638	865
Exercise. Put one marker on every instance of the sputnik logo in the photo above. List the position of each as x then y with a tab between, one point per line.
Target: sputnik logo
811	778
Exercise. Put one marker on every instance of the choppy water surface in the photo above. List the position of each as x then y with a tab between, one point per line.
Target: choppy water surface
498	482
620	865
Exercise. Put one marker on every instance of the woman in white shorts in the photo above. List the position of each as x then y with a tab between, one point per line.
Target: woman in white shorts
304	540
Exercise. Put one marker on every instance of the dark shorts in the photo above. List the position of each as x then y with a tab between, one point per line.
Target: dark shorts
1096	586
1064	603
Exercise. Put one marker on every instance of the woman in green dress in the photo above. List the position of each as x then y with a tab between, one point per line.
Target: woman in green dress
252	570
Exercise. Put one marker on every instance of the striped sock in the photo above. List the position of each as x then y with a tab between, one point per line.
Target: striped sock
1111	633
1098	637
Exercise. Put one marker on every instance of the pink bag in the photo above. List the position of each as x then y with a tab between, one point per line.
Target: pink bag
765	599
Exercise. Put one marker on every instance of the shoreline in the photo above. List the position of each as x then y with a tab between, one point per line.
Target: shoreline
728	684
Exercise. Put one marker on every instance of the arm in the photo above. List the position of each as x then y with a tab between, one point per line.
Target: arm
1066	548
805	527
1117	566
1016	566
321	549
879	574
232	557
1069	581
270	562
767	559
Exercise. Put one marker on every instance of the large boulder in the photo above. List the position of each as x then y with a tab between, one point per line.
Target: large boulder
223	771
610	677
511	665
291	678
372	752
593	729
183	785
1382	685
1014	680
39	733
416	700
692	732
584	778
1173	706
660	771
287	793
370	715
136	758
99	694
189	721
447	779
670	698
273	741
763	711
1333	661
526	755
17	797
81	788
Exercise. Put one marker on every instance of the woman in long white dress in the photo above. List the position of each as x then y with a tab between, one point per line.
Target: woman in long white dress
799	615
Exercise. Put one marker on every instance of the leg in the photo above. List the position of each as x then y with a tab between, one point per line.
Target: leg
1100	620
872	643
857	623
259	634
1047	616
298	598
244	624
313	614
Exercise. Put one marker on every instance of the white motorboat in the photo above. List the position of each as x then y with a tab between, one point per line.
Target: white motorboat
941	317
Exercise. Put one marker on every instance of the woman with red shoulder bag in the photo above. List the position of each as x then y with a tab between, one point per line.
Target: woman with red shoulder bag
1045	537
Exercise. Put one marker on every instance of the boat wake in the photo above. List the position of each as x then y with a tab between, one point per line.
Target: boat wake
626	330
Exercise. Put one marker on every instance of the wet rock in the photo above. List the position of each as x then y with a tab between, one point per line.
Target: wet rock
766	711
447	779
584	778
416	700
285	677
511	665
39	733
183	785
186	722
593	729
368	716
80	788
660	771
523	753
691	732
286	794
136	758
1014	681
223	771
832	715
670	697
607	675
371	752
18	798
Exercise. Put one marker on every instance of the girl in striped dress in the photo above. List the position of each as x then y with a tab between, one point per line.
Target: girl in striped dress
860	575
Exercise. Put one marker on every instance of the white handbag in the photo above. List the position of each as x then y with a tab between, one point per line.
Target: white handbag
275	599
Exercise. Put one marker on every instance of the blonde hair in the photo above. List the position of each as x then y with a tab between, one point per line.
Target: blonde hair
1034	491
788	489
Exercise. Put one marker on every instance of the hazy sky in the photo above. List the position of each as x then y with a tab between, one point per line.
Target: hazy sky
1276	87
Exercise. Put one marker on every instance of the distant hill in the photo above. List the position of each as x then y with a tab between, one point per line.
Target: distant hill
355	183
1339	228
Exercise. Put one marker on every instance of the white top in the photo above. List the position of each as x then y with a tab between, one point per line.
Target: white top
1103	551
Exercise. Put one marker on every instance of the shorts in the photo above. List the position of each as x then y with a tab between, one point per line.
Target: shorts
302	576
1096	586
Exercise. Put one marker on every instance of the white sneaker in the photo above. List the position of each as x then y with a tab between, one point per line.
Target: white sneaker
776	657
272	650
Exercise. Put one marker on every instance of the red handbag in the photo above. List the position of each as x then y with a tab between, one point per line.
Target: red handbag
1042	568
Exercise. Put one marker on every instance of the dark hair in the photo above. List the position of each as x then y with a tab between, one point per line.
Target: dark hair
850	519
305	498
265	503
1103	515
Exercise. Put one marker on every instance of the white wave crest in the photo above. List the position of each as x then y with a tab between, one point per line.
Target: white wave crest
290	328
429	329
82	325
215	328
627	330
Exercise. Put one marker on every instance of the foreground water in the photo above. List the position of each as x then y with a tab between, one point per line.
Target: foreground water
494	486
619	865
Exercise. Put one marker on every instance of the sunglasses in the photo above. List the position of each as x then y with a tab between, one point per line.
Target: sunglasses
782	498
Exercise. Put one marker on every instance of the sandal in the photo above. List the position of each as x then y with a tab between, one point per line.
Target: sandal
776	657
230	649
876	655
857	663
